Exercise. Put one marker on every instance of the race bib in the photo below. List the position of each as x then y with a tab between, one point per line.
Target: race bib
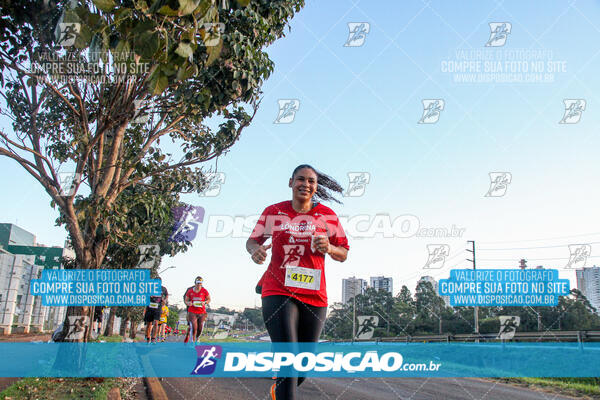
153	305
197	303
163	319
303	278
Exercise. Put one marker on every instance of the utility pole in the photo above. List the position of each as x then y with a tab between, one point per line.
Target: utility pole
476	309
354	310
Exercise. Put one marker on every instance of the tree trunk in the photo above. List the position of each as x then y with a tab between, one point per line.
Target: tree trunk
123	330
133	330
108	330
76	325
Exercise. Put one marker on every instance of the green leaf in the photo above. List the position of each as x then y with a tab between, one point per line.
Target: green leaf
84	38
105	5
147	44
168	11
158	84
187	7
204	6
185	50
214	52
243	3
187	71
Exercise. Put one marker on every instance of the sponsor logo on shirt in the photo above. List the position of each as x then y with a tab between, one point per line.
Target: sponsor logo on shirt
292	255
300	227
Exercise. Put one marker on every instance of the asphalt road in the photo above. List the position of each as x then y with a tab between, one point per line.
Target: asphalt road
354	389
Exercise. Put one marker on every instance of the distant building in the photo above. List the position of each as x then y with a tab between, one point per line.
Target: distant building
352	287
21	260
382	283
588	283
436	287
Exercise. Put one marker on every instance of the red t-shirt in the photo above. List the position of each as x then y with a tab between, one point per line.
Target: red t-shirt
194	296
294	268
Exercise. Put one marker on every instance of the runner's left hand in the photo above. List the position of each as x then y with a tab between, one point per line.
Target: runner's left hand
322	244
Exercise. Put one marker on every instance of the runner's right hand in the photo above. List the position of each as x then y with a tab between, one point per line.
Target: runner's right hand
260	254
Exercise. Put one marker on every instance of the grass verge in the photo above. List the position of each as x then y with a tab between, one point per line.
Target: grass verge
60	388
573	386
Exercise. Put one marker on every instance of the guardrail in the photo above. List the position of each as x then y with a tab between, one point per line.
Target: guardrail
546	336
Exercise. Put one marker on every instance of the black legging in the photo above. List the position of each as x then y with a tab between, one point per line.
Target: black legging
290	320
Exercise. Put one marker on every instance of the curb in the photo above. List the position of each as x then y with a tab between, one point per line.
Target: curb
155	389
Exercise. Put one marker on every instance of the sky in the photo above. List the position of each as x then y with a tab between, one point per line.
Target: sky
359	108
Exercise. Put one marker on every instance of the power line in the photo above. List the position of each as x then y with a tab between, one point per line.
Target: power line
539	240
536	247
531	259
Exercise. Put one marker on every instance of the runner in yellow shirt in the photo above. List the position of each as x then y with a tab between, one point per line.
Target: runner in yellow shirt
162	323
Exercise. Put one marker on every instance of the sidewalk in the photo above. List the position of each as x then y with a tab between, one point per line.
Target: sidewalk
139	386
26	337
20	337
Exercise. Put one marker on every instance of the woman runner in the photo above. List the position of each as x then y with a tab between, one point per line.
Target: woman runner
195	298
303	231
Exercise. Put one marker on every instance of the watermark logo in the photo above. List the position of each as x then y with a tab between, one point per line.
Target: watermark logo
358	33
223	325
573	110
214	182
499	32
508	326
67	32
287	111
142	111
366	326
207	359
432	108
499	182
148	255
579	254
187	219
357	184
360	226
437	254
68	182
212	33
77	324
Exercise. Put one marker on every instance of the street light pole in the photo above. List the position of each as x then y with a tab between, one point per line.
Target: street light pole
475	309
172	266
354	310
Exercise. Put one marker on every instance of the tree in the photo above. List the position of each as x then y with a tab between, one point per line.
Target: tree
338	325
167	53
404	312
173	316
150	220
429	308
254	316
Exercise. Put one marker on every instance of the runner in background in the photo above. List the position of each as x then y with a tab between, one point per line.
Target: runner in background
152	314
196	298
162	323
293	288
98	310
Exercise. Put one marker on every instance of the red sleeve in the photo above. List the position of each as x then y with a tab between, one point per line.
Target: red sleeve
259	233
186	293
337	236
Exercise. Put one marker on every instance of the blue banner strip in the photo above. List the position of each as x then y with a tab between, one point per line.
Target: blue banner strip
301	359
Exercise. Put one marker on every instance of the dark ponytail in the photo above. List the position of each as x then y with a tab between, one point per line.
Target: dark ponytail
325	184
